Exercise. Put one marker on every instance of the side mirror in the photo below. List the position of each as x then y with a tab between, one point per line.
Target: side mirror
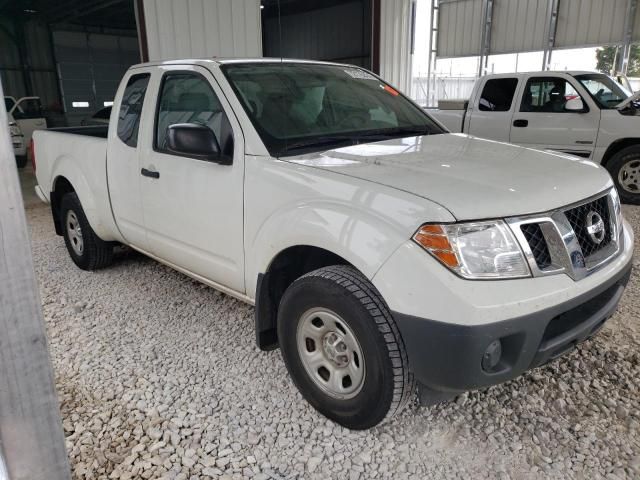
574	105
194	140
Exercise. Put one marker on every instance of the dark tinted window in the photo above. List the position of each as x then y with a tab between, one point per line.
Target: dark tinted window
497	94
131	109
103	113
547	94
188	98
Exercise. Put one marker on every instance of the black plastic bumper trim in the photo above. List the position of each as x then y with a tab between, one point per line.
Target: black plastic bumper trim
448	357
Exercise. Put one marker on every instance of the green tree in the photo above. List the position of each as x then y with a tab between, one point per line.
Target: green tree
606	57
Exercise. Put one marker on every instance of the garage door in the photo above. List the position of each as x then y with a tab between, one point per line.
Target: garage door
90	67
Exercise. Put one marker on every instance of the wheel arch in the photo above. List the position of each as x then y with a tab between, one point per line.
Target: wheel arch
618	146
288	265
61	186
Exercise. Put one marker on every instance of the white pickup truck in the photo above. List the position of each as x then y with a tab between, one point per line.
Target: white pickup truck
586	114
380	251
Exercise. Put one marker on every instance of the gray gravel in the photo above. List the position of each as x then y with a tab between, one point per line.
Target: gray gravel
159	377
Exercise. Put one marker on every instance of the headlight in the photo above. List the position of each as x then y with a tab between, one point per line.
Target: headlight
14	130
478	250
617	209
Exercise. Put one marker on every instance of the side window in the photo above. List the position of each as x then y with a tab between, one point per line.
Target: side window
547	94
497	94
131	109
188	98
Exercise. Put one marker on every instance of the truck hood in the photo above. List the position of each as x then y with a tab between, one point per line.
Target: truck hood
472	178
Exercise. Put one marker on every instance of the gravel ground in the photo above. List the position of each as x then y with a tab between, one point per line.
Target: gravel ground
159	377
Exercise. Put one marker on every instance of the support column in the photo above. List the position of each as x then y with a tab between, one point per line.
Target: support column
485	48
622	59
550	33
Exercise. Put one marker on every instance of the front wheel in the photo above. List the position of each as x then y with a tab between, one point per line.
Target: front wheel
342	347
624	167
87	250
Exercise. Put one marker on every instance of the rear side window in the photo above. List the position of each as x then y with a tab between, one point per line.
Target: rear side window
497	94
131	109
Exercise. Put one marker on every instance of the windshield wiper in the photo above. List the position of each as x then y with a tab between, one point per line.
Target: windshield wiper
396	132
355	138
333	140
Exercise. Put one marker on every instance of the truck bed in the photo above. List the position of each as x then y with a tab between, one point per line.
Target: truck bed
452	119
98	131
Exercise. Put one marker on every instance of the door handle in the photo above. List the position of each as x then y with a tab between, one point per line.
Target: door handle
520	123
149	173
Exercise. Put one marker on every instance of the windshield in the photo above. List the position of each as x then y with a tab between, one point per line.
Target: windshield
604	90
299	108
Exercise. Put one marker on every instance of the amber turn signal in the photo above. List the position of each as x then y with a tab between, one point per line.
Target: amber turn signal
435	241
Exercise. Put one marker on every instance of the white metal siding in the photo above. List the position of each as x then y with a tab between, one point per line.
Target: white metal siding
519	25
202	28
590	22
395	43
459	28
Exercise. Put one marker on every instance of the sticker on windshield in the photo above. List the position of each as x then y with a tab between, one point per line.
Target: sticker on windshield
359	74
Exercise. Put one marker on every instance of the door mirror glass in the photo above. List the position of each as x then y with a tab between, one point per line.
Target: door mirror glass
193	140
574	105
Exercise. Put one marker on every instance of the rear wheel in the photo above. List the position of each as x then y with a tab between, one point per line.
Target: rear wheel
87	250
624	167
342	347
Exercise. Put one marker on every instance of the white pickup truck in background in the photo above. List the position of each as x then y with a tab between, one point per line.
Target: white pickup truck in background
378	249
586	114
25	116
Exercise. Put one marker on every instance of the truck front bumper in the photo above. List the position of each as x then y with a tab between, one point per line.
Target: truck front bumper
474	334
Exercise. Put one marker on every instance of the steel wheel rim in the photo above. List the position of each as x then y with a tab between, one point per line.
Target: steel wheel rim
74	232
330	353
629	176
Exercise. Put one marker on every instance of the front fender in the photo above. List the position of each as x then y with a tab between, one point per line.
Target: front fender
355	231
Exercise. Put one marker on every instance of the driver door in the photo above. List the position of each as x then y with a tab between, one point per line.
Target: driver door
193	208
541	120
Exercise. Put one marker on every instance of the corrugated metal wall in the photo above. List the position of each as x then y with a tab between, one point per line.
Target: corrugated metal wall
91	66
459	28
338	33
636	26
519	25
590	22
41	67
202	28
395	43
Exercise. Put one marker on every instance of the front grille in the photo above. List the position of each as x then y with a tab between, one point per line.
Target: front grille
578	219
533	233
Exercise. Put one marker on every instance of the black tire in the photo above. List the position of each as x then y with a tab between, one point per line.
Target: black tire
629	157
96	253
21	161
388	385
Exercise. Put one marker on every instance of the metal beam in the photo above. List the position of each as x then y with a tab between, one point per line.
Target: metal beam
32	442
622	60
550	32
433	48
485	46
